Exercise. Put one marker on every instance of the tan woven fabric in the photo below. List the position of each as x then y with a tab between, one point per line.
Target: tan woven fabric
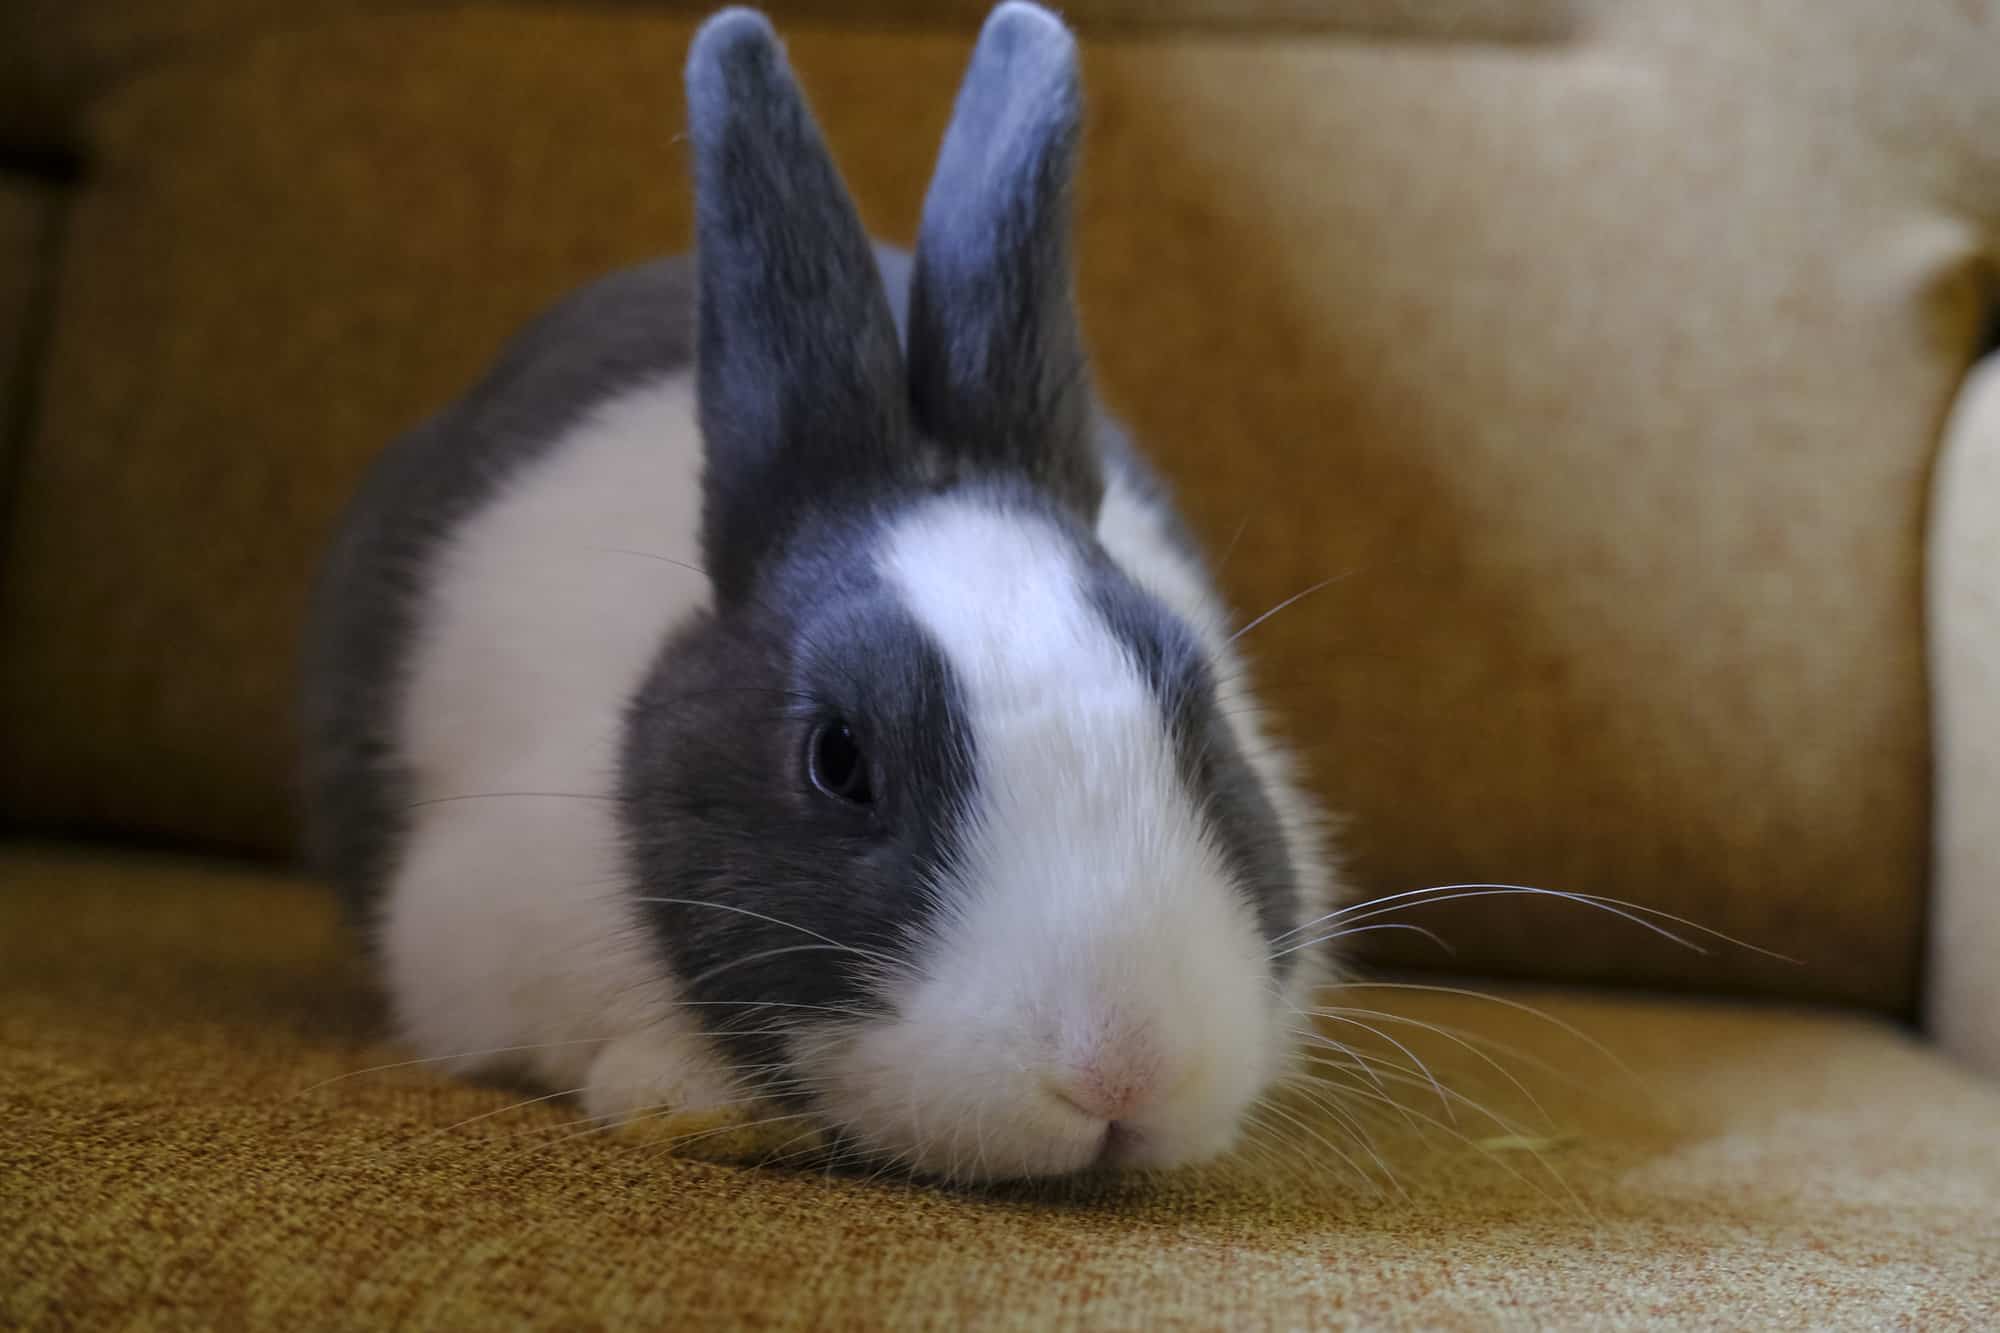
1607	369
167	1162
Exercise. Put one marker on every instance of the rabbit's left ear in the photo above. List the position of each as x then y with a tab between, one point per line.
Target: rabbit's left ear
996	362
802	395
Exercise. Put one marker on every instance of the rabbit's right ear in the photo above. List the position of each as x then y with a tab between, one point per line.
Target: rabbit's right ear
997	367
803	399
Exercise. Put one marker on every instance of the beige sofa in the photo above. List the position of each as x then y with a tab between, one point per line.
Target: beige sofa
1621	358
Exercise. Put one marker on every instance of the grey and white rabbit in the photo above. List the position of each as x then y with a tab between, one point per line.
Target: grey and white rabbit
779	681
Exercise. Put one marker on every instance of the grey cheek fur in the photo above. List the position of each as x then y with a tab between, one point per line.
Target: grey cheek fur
791	902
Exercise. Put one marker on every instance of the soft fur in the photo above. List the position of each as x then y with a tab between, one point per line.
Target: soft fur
566	759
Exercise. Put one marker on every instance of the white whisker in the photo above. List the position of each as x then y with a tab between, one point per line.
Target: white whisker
1295	597
1450	1036
649	555
1541	1158
457	1055
1412	1055
1566	1027
1630	911
775	921
1424	931
1272	1108
760	956
1322	1095
1404	1076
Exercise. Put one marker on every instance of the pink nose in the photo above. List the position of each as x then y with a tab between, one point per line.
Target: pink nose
1101	1094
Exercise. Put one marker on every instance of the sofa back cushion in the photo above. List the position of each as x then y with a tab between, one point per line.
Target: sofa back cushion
1602	369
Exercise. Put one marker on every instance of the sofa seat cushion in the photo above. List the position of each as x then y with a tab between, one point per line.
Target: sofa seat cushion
172	1155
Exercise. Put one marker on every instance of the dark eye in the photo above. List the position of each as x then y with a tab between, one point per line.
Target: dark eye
836	765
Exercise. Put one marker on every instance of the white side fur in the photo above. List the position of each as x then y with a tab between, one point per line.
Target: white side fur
1094	961
510	921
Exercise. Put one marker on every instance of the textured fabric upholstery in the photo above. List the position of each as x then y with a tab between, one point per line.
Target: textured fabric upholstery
166	1161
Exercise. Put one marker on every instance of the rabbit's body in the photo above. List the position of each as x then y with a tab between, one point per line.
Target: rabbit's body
506	578
563	667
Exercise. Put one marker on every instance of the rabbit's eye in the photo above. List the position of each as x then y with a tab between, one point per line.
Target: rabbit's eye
836	765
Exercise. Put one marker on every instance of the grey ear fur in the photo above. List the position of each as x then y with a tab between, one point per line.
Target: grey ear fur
802	393
996	360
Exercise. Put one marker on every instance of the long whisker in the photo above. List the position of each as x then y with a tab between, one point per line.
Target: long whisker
1278	1147
1340	1017
1321	1096
1404	1076
1424	931
1509	892
523	1047
679	1142
1448	892
716	971
650	555
1541	1159
775	1004
456	1055
1262	1145
610	1125
1222	562
772	920
780	1153
1569	1028
1295	597
1512	1052
1453	1037
500	795
1359	1063
1272	1108
511	1106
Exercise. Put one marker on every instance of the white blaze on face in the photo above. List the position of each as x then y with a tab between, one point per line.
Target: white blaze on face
1093	961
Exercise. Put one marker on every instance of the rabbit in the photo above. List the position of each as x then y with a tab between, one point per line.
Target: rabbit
779	682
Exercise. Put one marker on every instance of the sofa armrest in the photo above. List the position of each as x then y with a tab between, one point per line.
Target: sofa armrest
1963	1002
